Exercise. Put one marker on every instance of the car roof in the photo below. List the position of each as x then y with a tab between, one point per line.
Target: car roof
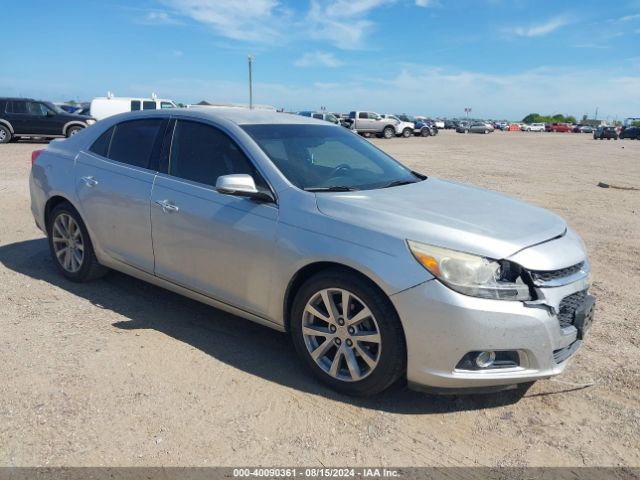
239	116
16	98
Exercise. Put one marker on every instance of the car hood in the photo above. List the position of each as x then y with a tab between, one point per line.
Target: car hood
447	214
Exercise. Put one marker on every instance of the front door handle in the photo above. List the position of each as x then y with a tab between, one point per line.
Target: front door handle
90	181
167	206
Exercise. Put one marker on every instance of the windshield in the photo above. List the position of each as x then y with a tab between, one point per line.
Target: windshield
55	108
318	157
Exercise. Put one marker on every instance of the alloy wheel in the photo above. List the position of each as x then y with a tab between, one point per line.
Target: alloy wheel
68	243
341	334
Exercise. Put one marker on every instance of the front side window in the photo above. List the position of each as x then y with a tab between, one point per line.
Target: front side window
318	157
202	153
164	105
133	142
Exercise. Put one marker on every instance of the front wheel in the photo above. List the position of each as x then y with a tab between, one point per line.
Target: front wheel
425	132
389	132
348	333
406	133
71	247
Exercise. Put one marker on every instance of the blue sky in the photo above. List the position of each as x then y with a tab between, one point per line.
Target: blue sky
502	58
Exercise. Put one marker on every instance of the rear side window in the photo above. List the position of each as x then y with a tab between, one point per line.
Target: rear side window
363	115
19	107
135	105
202	153
101	145
133	142
148	105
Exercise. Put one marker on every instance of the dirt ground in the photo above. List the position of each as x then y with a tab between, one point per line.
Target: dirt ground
118	372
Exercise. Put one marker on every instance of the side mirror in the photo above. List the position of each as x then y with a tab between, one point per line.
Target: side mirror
242	185
49	114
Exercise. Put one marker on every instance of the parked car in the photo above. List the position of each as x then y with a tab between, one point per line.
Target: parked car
630	132
533	127
558	127
377	272
475	127
103	107
371	123
450	124
420	127
26	117
403	129
583	129
327	117
463	127
607	132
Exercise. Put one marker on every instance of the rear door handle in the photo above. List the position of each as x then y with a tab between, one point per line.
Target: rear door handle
90	181
167	206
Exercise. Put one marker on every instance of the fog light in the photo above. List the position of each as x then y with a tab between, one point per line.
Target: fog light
485	359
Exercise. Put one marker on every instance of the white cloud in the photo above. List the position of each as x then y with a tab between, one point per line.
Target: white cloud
246	20
540	29
318	59
343	23
157	17
176	53
628	18
424	3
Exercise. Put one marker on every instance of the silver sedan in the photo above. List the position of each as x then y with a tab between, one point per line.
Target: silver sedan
380	274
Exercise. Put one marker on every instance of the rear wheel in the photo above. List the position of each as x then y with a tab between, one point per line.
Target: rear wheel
71	247
5	134
348	333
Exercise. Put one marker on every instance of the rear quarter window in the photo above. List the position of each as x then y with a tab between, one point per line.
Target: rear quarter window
101	145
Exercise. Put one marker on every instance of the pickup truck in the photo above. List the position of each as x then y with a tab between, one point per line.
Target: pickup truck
368	123
403	129
558	127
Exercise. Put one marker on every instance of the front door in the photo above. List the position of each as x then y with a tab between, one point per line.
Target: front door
217	245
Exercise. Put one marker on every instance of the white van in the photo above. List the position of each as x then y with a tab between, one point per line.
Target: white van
103	107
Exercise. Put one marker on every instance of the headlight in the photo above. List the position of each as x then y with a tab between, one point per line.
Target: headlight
90	121
472	275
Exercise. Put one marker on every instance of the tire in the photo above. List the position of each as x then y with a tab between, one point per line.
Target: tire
386	355
406	133
5	134
71	131
425	132
388	132
61	226
486	131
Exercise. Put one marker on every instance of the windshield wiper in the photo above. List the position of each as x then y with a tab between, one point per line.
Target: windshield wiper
397	183
335	188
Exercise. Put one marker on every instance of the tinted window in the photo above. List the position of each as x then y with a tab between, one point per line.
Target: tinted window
202	153
19	107
363	115
133	141
101	145
166	105
318	116
148	105
135	105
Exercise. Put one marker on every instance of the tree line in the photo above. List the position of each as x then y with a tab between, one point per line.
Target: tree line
557	118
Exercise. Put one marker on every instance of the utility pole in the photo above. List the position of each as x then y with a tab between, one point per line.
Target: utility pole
596	117
250	58
467	110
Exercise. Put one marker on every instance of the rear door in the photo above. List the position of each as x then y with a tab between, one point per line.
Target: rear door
29	117
114	181
215	244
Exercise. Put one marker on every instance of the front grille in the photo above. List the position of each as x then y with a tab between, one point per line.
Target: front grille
568	307
543	276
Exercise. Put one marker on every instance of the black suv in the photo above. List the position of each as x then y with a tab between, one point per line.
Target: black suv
25	117
605	132
630	132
